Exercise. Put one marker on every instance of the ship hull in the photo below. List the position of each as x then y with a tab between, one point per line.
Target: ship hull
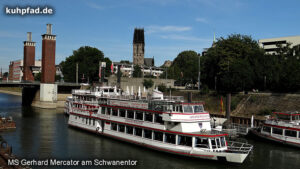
163	147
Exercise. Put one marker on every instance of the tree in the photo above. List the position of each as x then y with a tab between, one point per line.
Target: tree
184	67
137	72
234	61
125	61
148	83
88	59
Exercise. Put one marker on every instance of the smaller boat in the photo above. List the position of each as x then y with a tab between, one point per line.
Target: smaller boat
283	128
7	123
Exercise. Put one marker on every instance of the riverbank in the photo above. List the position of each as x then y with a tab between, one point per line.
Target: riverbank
60	103
11	92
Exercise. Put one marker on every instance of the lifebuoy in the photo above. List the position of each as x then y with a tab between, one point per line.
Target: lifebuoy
98	128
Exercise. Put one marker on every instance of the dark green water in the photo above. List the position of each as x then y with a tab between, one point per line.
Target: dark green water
43	134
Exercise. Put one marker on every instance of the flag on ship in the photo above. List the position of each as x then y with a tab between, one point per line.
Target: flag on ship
112	67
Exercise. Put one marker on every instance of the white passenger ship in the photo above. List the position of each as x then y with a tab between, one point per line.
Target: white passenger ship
284	128
156	122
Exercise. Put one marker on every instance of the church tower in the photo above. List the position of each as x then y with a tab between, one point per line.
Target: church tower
138	47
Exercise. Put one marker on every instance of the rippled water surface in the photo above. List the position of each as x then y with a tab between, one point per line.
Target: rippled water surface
44	133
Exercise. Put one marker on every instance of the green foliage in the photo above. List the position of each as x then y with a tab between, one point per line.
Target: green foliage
184	67
137	72
232	61
148	83
204	90
162	87
235	100
88	59
37	76
266	111
125	61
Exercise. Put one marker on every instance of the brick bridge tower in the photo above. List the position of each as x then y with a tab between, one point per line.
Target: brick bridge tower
138	47
48	56
48	88
29	58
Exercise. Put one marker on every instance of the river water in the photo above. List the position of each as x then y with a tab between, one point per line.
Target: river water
43	134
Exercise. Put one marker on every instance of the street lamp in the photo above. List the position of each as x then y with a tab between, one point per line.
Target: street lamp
199	73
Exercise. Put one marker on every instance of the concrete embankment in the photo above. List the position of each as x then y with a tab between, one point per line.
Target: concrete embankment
246	105
36	103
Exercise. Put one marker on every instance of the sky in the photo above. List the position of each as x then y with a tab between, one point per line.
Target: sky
171	26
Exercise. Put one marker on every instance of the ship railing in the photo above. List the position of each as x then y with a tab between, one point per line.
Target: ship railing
174	98
239	147
78	91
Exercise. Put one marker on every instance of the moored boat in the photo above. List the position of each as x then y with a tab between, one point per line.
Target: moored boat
283	128
166	124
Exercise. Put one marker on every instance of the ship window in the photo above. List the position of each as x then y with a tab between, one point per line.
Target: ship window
213	143
121	128
129	130
267	129
138	132
201	142
223	142
170	138
218	142
148	134
290	133
108	111
188	109
114	126
158	136
115	112
130	114
149	117
139	115
93	122
86	121
184	140
158	119
102	110
277	131
122	113
198	108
